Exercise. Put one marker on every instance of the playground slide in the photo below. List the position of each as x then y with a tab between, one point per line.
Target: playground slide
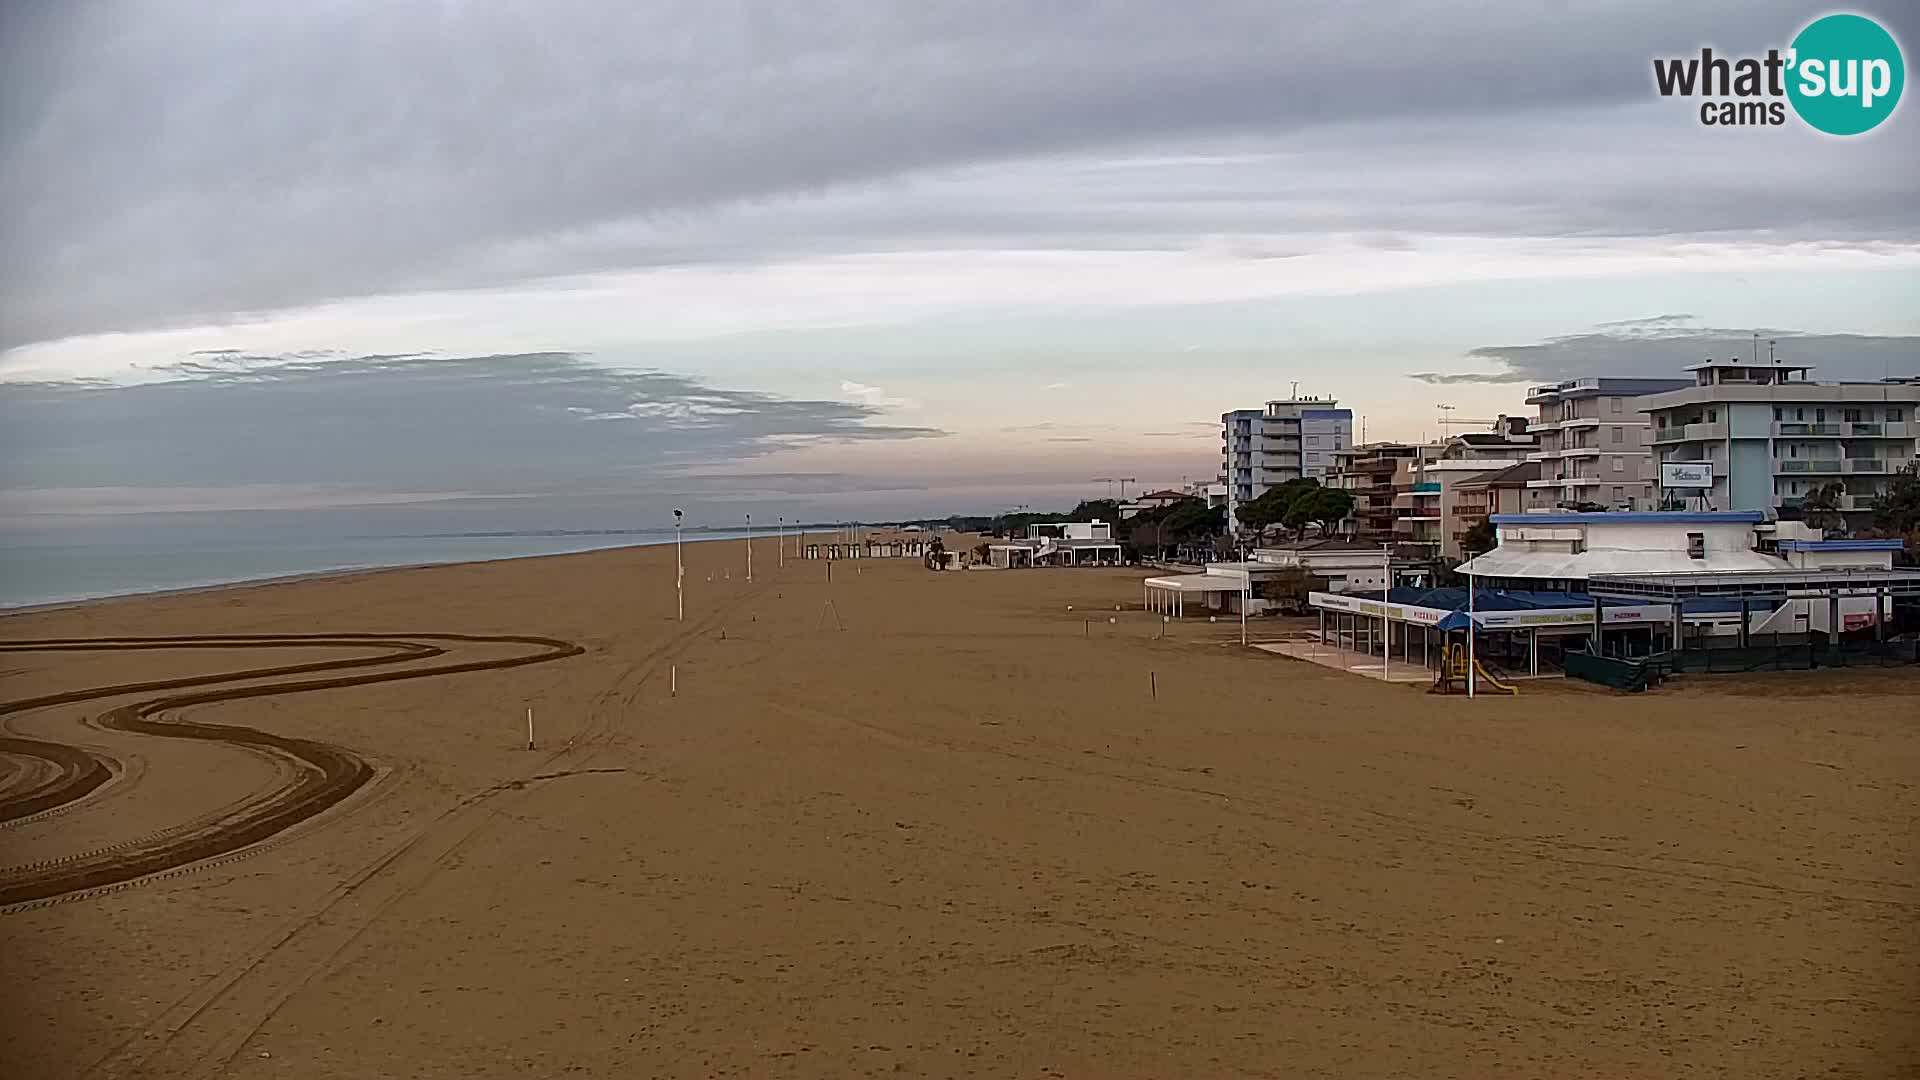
1047	547
1486	679
1453	675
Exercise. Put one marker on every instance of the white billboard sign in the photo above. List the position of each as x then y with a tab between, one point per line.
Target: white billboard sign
1686	474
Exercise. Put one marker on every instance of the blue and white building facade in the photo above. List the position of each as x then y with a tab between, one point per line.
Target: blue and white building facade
1285	440
1771	436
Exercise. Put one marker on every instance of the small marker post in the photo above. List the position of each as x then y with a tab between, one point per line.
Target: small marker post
673	681
1153	685
529	729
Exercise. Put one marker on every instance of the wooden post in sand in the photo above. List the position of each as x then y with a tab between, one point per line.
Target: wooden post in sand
673	681
529	729
1153	685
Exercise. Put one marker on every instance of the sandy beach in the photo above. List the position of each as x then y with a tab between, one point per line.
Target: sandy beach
914	824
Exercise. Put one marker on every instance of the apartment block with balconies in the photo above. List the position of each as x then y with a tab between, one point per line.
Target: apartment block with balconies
1369	473
1286	440
1773	436
1595	444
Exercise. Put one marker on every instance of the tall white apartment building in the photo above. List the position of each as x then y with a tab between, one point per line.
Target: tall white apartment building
1595	444
1286	440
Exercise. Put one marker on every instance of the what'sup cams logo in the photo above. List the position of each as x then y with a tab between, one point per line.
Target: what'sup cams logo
1842	75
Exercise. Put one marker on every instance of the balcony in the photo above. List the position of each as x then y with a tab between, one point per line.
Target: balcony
1583	451
1891	430
1847	501
1792	428
1575	422
1691	433
1836	466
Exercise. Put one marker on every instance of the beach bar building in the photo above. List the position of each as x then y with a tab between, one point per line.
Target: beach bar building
1632	585
1070	543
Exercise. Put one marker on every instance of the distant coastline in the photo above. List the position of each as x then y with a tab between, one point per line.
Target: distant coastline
14	601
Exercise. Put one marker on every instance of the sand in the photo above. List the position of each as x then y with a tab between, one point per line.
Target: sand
955	838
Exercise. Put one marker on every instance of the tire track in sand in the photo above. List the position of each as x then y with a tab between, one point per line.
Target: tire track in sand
323	774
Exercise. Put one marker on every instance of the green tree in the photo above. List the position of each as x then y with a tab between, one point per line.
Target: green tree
1322	507
1274	504
1821	510
1481	537
1096	509
1898	512
1191	519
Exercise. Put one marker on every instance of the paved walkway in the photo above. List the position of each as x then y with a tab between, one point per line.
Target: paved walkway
1358	663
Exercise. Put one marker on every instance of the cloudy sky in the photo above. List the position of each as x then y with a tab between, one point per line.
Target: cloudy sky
871	257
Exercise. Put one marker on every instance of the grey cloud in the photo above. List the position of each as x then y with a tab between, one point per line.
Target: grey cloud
1661	347
188	162
495	425
1436	379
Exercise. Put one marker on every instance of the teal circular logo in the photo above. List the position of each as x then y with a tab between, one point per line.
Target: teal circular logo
1845	74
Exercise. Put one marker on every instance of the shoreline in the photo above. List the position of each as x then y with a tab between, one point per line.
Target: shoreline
349	572
335	574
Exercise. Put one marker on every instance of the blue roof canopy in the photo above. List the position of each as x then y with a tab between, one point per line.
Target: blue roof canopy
1636	517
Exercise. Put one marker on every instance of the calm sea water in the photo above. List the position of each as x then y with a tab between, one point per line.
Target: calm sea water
43	566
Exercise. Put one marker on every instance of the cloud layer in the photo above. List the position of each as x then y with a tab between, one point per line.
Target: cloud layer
1660	346
181	164
385	429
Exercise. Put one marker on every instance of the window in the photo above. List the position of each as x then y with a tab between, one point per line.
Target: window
1619	495
1713	416
1799	414
1793	450
1851	416
1894	416
1619	435
1778	414
1613	404
1819	416
1619	464
1313	440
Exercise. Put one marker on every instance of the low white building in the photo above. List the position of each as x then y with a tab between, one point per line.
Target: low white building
1562	552
1069	543
1346	566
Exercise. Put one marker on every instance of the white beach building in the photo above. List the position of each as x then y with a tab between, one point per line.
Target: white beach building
1071	543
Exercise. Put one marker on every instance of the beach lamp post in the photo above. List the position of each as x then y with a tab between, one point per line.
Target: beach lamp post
780	531
1470	628
679	570
749	547
1386	628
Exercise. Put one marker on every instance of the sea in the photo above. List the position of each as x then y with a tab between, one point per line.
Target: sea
163	553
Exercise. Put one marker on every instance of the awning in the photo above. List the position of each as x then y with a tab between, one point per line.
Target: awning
1195	583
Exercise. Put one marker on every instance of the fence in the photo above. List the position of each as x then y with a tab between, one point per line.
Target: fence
1630	675
1796	655
1789	655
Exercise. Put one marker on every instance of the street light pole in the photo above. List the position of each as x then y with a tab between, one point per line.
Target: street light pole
781	528
679	571
1471	626
749	547
1386	628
